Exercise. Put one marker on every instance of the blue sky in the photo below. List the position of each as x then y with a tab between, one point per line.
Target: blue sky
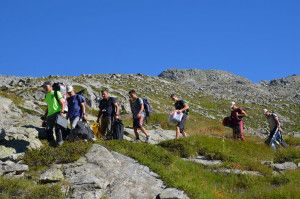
257	39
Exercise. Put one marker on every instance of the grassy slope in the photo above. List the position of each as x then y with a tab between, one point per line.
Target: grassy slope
198	181
165	159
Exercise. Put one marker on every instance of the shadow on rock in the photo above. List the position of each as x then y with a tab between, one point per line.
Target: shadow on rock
19	145
42	133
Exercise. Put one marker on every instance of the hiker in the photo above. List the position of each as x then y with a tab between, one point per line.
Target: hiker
275	137
181	106
138	114
76	107
55	106
109	111
237	115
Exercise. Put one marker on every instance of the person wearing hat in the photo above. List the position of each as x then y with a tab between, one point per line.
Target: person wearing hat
55	106
76	107
274	129
237	115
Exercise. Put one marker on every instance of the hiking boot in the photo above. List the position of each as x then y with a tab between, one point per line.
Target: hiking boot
60	143
147	138
137	140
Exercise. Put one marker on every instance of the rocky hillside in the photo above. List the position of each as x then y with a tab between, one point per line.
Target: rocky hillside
225	85
209	94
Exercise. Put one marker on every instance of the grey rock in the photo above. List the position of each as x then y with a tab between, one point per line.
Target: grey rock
156	135
5	152
171	193
12	168
52	175
237	172
204	161
284	166
93	177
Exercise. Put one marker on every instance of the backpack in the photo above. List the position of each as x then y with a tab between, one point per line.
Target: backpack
60	87
87	101
147	107
227	121
81	131
117	130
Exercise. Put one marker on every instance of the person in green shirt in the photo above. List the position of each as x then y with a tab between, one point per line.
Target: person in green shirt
55	106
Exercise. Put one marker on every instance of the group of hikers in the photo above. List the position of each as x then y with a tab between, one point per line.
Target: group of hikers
236	122
71	106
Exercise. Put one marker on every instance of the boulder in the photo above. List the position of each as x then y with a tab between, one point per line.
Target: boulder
6	152
52	175
12	168
284	166
204	161
102	173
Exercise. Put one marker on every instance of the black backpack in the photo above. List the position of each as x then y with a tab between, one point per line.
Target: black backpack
81	131
117	130
147	107
82	94
58	86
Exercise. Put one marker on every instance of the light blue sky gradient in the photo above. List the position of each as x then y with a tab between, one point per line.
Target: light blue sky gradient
258	39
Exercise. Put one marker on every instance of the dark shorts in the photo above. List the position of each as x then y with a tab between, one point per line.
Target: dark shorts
181	124
137	123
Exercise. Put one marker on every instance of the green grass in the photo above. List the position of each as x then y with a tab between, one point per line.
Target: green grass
292	141
241	155
199	182
45	156
290	154
17	100
26	189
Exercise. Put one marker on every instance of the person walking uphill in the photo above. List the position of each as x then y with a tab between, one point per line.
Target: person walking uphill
108	112
138	113
181	106
275	138
76	107
237	115
55	106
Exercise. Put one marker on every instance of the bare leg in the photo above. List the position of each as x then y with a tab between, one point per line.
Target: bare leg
183	133
177	132
136	133
144	131
142	128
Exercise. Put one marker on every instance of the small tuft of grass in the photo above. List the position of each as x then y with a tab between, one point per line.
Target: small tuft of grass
290	154
235	154
26	189
45	156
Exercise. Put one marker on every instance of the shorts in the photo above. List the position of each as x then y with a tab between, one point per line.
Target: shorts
138	122
181	124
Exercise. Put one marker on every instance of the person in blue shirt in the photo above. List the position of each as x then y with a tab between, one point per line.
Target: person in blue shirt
76	107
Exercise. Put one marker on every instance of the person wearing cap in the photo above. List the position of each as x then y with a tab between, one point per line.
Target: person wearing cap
237	115
274	129
55	106
76	107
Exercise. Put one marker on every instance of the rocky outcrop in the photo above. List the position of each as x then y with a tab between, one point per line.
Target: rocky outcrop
104	173
10	168
156	135
226	85
18	133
